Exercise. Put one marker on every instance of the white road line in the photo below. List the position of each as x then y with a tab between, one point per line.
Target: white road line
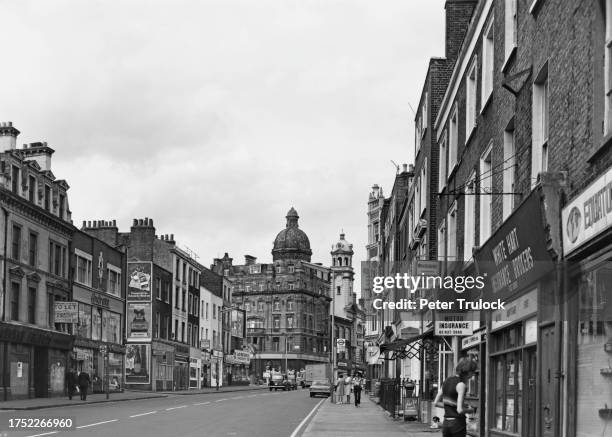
221	400
176	408
202	403
297	430
44	433
238	397
144	414
97	423
252	396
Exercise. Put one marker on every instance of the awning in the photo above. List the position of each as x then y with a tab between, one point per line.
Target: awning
411	347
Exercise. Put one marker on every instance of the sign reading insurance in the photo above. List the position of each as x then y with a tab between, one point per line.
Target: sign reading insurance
516	255
589	214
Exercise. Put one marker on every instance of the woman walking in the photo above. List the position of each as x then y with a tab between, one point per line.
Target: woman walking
340	389
451	397
348	386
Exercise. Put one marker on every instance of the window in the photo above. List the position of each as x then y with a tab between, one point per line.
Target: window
177	295
83	268
338	290
31	304
158	288
15	292
510	28
47	197
175	336
206	310
214	314
275	344
539	141
15	179
62	202
470	100
16	242
508	170
486	198
453	141
443	172
57	259
247	307
487	64
424	188
289	305
260	306
32	189
291	286
184	298
452	232
442	241
469	229
276	322
33	249
114	280
276	305
424	114
291	268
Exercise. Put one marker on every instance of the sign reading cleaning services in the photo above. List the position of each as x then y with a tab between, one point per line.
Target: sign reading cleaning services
453	324
589	214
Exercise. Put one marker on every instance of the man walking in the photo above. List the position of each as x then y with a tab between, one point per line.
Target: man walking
357	382
84	380
71	382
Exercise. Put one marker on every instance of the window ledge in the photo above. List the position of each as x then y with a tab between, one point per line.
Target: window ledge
469	137
509	60
604	146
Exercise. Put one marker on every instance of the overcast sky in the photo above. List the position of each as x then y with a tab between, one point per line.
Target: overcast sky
215	117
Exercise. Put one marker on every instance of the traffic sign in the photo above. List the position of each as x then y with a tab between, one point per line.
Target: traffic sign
340	342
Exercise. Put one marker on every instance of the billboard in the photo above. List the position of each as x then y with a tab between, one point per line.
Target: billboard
139	281
66	312
138	320
237	324
137	368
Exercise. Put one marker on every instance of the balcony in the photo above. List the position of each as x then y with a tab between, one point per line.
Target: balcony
253	331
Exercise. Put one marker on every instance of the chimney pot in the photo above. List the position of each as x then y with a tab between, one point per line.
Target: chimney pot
134	222
150	222
172	237
84	224
405	167
411	168
114	223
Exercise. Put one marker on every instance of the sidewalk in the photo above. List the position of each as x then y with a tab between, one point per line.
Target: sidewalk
367	420
127	395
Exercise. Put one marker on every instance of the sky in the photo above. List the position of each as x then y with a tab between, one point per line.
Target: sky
213	118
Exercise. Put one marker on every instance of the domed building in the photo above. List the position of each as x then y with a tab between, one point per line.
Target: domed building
286	303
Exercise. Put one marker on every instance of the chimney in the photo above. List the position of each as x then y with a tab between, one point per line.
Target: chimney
458	16
404	168
8	136
39	152
249	260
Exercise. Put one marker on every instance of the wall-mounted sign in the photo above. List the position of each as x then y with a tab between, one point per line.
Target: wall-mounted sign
100	300
66	312
514	310
472	340
516	255
589	214
138	319
139	281
242	357
205	344
453	324
137	364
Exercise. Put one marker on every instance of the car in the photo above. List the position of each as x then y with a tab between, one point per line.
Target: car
320	387
280	382
292	384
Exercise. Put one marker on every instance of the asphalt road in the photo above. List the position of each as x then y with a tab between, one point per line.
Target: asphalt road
247	413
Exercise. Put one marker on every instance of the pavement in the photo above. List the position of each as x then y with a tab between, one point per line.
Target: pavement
240	414
127	395
367	420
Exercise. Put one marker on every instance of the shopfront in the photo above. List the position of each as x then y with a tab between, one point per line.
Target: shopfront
33	361
216	368
205	375
163	365
195	367
181	367
587	248
474	347
523	339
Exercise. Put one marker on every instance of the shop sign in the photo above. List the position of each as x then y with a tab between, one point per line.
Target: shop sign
589	214
205	344
428	268
242	357
66	312
453	324
341	364
516	255
99	300
515	310
472	340
139	281
372	354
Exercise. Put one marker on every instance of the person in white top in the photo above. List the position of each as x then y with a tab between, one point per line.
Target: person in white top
348	386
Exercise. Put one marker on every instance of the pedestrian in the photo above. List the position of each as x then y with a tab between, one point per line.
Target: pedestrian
71	382
357	385
340	389
451	397
347	388
84	380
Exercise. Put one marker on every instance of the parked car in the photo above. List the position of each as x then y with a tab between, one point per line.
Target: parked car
280	382
320	387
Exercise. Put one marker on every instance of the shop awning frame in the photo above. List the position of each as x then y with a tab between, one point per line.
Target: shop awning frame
411	347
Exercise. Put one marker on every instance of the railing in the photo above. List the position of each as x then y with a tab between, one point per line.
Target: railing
390	396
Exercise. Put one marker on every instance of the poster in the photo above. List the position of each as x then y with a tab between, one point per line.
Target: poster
237	324
138	318
139	281
137	364
65	312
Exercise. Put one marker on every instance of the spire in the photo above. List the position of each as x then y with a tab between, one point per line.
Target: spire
292	218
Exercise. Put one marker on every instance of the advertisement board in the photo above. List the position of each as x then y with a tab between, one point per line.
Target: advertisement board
139	281
137	369
138	320
453	324
237	324
66	312
242	357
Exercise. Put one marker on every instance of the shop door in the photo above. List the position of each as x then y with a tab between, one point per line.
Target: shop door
548	404
531	373
41	372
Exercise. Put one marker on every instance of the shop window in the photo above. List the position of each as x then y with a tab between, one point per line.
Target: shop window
96	324
508	398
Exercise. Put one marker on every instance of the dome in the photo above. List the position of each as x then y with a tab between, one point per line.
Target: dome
292	242
342	246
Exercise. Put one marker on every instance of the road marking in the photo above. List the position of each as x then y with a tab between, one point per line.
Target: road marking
202	403
44	433
252	396
144	414
316	407
176	408
238	397
221	400
97	423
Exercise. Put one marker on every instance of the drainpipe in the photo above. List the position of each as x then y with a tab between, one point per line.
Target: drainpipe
5	346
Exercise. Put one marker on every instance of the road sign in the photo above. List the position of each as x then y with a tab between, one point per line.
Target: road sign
340	345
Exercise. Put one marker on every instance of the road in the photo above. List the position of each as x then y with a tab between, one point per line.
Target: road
247	413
